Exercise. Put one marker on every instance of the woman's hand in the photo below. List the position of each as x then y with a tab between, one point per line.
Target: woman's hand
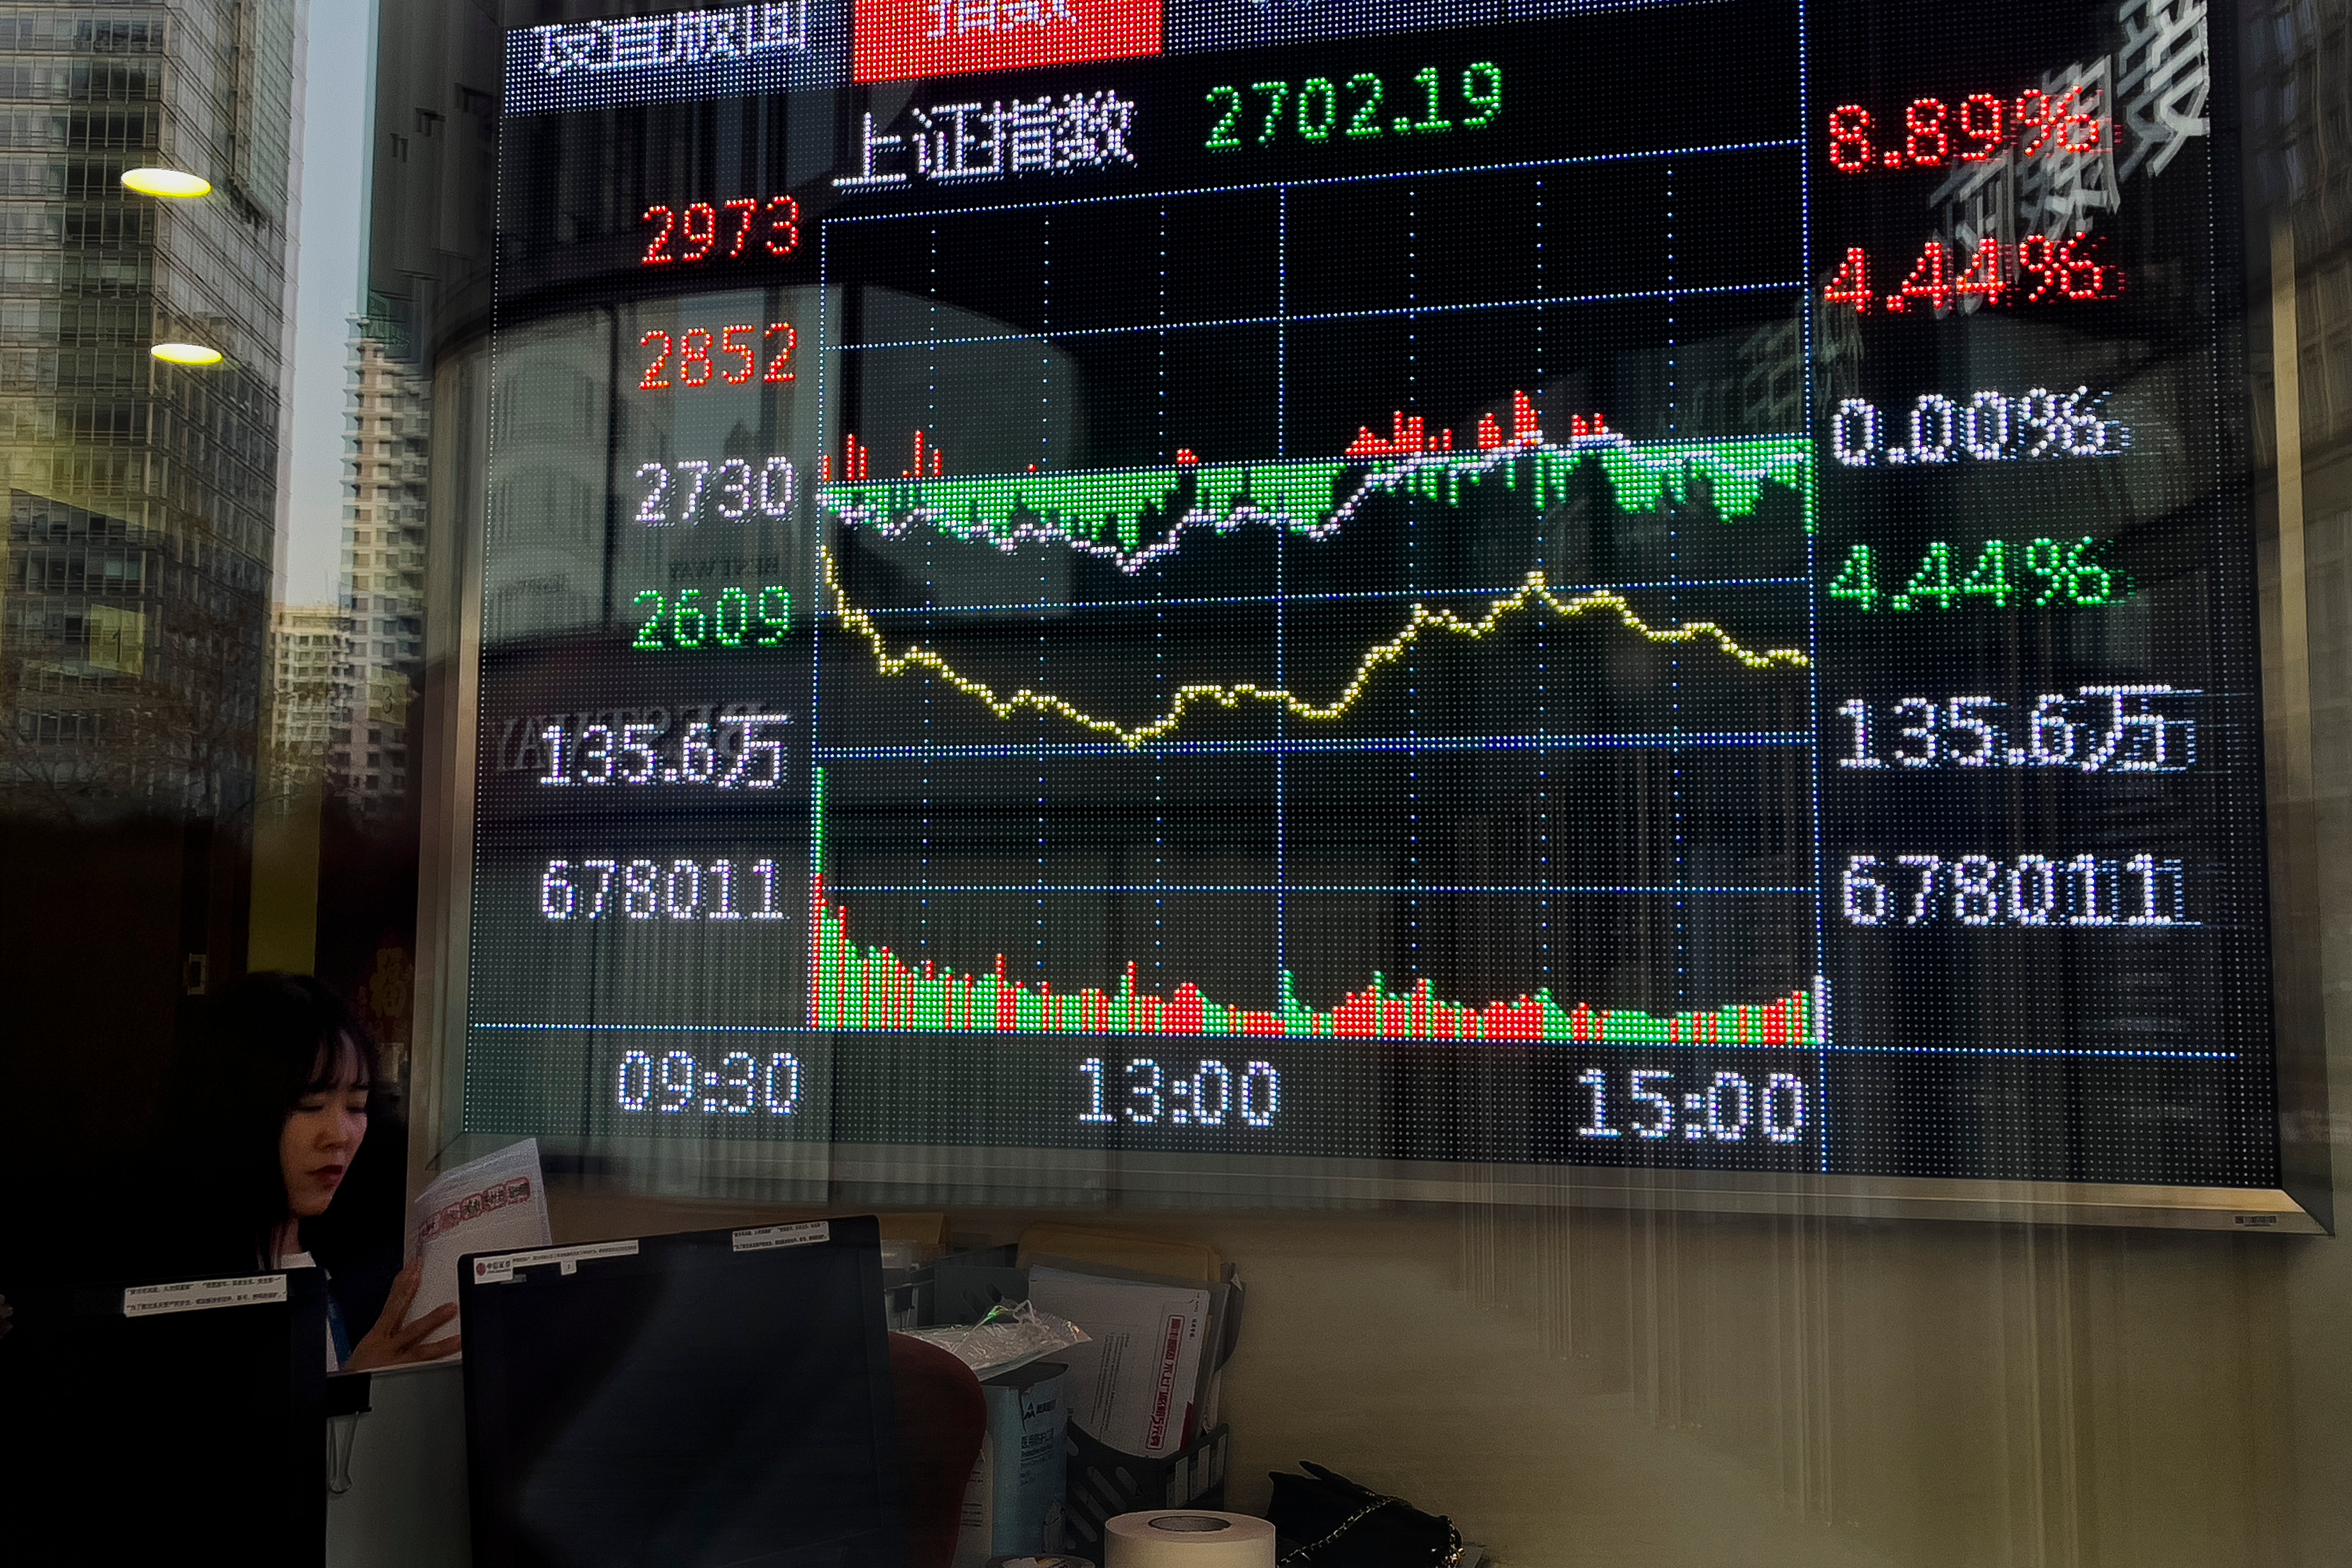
392	1342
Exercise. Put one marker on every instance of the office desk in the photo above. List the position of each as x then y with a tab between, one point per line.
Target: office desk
406	1504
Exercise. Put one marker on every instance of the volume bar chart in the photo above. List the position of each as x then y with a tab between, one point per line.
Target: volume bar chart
855	985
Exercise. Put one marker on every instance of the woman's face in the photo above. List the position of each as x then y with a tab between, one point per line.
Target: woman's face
322	1134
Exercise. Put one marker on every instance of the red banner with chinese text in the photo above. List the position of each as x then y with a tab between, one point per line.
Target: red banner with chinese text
893	40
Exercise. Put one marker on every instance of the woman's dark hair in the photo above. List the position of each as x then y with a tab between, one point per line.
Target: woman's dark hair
266	1042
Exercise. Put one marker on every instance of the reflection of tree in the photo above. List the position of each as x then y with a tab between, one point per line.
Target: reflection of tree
292	768
111	718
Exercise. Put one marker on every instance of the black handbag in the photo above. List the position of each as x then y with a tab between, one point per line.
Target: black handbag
1323	1520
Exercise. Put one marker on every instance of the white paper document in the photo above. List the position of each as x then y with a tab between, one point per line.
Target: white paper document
1132	1383
497	1203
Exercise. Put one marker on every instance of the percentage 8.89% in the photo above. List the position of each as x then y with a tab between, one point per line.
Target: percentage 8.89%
1933	135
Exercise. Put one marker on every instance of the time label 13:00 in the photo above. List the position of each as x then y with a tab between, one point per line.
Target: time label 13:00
1146	1093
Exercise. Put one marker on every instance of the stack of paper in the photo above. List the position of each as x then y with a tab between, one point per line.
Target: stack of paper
1147	1382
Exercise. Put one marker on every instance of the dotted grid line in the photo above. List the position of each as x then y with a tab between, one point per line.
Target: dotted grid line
1541	906
1281	587
1674	602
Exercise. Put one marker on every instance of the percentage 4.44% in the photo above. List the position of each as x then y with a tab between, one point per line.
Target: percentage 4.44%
1995	275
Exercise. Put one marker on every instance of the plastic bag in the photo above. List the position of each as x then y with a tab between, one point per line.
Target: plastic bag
1325	1520
1011	1335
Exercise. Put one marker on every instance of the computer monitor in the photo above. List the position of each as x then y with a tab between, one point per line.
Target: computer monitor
699	1399
167	1422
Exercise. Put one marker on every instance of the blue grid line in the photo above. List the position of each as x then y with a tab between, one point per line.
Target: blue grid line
1659	1046
1587	160
1694	740
1060	606
1515	889
1794	287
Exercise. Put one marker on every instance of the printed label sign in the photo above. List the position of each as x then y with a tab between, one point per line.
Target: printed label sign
767	1236
201	1294
501	1266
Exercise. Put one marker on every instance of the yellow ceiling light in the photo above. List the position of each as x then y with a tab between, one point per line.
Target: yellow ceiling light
185	354
166	182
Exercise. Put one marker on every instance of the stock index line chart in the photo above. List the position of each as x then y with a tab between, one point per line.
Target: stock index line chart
1334	601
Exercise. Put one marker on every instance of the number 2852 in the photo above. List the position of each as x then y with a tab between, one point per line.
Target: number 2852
730	354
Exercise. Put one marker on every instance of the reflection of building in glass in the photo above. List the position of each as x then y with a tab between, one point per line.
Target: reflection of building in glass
383	573
2296	100
1773	377
142	494
141	501
309	686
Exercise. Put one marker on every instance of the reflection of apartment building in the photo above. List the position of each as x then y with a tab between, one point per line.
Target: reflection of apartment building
1772	378
308	685
384	574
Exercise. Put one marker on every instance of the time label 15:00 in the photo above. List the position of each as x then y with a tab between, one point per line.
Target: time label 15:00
1729	1108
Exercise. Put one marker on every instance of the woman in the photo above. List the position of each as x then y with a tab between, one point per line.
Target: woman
287	1159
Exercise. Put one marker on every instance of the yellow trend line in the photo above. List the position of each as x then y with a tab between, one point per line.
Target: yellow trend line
1533	591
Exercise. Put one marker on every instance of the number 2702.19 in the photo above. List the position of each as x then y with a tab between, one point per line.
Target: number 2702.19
1314	107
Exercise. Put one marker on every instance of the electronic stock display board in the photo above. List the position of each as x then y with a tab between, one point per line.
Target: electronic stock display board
1436	580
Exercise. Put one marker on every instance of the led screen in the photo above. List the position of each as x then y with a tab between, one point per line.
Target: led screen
1457	580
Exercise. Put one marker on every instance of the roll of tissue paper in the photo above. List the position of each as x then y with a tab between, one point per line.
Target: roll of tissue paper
1187	1538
